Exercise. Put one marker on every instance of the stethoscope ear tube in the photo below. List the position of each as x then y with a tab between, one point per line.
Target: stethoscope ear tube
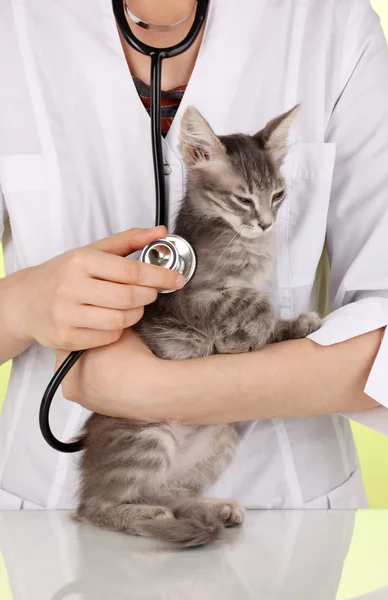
157	55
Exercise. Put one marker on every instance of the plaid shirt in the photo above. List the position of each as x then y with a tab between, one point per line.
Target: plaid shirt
170	102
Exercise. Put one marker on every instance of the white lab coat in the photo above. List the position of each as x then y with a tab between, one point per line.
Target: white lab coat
75	166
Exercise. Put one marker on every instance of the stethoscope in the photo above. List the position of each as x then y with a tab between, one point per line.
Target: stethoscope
173	252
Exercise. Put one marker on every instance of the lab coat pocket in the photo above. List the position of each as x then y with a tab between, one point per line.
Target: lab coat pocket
308	172
348	495
24	182
351	494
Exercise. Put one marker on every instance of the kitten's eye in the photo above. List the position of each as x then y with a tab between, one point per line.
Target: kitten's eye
244	200
278	196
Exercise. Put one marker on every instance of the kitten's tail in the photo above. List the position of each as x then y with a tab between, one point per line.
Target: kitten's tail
193	524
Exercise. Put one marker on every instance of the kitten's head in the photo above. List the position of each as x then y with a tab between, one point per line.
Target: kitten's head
236	177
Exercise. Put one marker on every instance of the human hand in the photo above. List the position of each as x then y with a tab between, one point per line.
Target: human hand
86	297
123	379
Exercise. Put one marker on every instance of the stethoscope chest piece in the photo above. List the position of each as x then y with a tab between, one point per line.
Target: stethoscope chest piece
171	253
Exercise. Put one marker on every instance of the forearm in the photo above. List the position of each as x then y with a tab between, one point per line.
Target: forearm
12	341
297	378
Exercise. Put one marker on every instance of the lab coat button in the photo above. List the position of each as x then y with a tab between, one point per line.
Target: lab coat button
167	169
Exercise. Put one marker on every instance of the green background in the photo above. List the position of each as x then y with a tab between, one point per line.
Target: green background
373	447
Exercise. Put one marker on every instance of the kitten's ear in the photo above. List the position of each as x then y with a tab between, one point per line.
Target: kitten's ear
275	135
198	142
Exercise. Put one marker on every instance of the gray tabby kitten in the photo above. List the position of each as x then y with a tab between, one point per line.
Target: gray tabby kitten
147	478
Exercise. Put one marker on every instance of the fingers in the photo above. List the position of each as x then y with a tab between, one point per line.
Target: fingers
122	270
60	357
115	295
106	319
82	338
126	242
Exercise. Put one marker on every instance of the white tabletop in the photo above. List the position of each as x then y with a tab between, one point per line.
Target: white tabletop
287	555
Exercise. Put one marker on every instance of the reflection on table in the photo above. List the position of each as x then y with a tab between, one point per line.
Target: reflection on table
310	555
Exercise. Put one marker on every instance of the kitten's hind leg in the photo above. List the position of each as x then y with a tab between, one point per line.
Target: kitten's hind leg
298	328
156	522
228	512
126	518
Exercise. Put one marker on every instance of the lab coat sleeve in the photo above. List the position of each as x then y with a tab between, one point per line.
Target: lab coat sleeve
357	227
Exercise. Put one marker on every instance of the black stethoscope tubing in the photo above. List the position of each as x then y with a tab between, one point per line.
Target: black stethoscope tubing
157	56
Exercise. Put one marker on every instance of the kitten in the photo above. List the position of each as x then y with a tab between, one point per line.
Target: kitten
147	478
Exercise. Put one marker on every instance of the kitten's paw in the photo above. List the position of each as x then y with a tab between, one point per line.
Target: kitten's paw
231	346
308	323
230	513
157	512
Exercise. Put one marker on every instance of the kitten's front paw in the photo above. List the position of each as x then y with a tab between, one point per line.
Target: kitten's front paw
308	323
231	346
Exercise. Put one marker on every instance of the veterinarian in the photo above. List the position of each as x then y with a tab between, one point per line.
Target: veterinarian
76	169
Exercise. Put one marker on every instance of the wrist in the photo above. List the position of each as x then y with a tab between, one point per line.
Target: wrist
14	307
111	380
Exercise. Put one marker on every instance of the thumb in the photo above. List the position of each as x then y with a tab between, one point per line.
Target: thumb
129	241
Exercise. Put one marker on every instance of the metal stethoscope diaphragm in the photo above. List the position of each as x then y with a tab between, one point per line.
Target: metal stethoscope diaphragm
172	253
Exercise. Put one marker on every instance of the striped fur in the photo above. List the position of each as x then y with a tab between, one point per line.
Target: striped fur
147	479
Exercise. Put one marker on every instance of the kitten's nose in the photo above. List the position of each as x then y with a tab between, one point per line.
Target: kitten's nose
265	226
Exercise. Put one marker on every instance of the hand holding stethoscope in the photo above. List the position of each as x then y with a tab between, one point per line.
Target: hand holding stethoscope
173	253
86	297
